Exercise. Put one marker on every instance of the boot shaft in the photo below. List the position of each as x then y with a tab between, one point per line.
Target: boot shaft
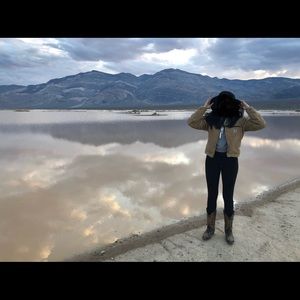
228	222
228	229
211	219
210	229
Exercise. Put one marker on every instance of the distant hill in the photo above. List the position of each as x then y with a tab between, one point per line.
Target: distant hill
170	88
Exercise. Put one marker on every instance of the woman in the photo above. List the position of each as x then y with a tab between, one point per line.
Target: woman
225	125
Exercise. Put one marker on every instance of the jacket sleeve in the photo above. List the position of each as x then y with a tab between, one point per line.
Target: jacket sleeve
197	121
255	121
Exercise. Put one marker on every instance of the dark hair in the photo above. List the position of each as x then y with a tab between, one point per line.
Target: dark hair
225	105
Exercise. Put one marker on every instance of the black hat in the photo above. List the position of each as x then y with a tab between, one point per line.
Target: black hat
225	104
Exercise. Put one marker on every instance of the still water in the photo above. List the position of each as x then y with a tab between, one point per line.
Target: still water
74	180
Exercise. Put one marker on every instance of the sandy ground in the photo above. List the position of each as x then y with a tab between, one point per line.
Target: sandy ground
265	229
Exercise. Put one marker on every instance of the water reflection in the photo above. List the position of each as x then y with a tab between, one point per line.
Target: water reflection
68	187
166	133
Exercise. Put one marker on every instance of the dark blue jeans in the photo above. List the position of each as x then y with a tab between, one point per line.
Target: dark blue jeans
228	167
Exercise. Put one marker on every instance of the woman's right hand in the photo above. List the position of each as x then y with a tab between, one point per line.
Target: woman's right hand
207	103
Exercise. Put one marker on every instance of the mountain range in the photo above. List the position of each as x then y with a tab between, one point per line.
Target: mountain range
169	88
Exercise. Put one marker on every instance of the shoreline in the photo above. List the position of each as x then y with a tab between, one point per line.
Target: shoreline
159	235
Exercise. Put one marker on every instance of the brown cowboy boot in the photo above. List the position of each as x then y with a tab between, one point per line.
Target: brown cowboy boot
210	229
228	229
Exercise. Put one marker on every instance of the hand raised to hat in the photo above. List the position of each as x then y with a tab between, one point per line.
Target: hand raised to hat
207	103
244	104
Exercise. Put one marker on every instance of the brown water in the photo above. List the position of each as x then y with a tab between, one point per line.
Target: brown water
71	181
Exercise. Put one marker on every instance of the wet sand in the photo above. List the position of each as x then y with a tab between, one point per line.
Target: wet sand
266	228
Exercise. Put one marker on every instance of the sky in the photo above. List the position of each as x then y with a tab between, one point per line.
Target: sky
37	60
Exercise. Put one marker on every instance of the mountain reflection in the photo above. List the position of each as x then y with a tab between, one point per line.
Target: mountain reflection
166	133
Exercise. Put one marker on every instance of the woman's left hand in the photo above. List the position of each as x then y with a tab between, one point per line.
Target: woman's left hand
244	104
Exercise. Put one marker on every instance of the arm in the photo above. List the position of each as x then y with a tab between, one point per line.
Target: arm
255	121
197	121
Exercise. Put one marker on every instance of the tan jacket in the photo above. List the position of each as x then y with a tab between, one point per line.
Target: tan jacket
234	135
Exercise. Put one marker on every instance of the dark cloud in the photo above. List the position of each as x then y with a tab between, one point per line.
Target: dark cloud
25	63
256	54
16	53
168	44
118	49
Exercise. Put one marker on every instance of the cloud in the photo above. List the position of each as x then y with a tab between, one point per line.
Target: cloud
119	49
37	60
253	57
